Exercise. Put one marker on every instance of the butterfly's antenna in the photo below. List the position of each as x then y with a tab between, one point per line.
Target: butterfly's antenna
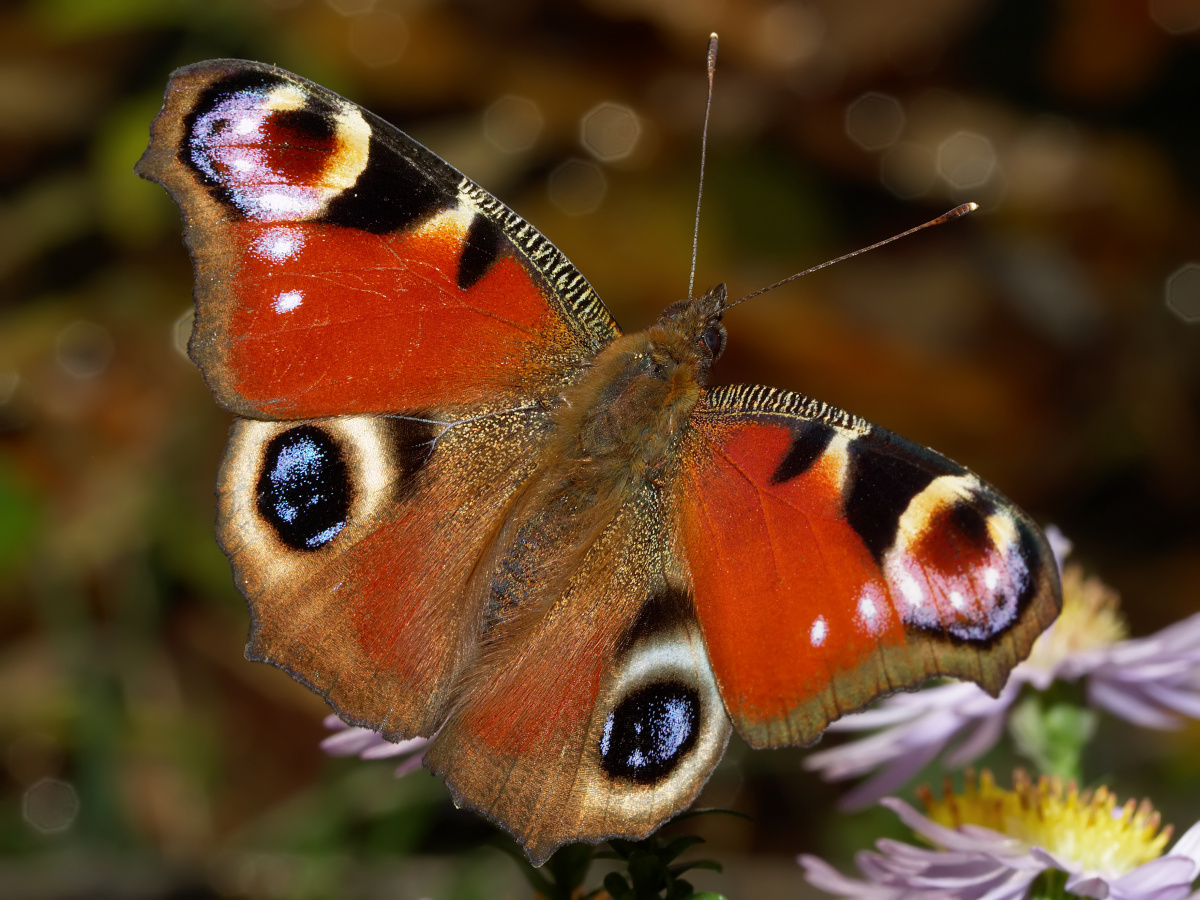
945	217
712	67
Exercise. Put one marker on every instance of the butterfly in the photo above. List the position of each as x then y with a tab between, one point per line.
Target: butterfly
461	502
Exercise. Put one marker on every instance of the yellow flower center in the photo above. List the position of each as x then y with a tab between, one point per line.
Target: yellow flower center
1090	618
1087	827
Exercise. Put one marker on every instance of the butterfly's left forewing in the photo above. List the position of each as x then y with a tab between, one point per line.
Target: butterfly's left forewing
833	562
342	268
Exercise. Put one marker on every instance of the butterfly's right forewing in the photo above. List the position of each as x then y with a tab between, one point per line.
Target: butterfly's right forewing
834	562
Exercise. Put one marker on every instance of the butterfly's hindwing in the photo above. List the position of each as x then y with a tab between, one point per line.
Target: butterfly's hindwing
353	539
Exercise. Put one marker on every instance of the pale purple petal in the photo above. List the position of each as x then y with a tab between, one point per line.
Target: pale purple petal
824	876
1188	845
409	765
1087	886
1121	701
923	724
351	741
919	727
1184	701
386	749
1152	681
975	863
1168	878
967	839
1017	885
893	776
366	744
1053	860
981	740
968	870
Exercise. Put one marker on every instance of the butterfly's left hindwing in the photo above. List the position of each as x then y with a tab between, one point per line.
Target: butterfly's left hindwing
833	562
342	268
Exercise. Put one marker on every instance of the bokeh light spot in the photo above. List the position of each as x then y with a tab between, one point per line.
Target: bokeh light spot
966	160
610	131
513	124
1175	16
378	38
790	33
84	349
577	187
1183	292
874	121
181	331
50	805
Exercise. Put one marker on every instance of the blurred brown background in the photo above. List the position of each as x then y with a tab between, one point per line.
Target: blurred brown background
1051	341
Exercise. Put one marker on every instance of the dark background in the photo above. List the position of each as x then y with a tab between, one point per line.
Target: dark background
1041	341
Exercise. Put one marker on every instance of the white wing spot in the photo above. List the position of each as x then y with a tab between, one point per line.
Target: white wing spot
910	590
866	608
288	300
818	632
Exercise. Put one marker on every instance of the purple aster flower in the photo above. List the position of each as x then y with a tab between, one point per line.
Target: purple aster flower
993	844
367	744
1151	681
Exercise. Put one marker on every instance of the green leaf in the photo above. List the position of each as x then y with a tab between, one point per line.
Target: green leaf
708	864
678	846
1052	733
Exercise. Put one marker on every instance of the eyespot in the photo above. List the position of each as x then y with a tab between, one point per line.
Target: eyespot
649	731
303	490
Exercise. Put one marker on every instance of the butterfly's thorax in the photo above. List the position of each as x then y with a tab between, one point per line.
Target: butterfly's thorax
624	419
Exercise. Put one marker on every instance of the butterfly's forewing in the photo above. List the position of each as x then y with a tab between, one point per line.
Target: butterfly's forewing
342	268
833	562
599	715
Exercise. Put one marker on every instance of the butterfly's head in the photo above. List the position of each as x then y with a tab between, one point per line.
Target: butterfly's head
699	320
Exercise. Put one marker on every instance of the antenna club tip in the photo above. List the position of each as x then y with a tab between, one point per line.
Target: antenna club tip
970	207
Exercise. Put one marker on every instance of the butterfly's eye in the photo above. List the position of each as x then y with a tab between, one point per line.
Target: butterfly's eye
713	339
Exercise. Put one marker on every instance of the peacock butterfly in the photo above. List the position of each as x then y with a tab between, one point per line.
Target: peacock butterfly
459	501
